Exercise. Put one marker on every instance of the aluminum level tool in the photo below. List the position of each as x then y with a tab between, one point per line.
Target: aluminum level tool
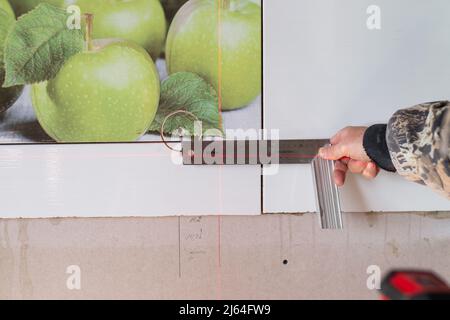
274	152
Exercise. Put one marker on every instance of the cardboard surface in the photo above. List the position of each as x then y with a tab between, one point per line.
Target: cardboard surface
216	257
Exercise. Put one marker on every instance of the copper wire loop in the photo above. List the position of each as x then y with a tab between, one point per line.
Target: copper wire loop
168	117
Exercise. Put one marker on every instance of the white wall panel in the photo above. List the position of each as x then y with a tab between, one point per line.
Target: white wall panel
119	180
324	70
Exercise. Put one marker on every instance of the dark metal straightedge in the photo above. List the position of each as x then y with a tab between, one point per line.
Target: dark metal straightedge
250	152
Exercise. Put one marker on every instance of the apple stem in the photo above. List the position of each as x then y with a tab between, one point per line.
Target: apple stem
225	4
89	28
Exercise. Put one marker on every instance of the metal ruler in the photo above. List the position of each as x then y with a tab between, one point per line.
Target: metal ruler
274	152
250	152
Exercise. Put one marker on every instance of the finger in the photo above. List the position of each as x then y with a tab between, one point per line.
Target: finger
345	160
377	169
333	152
371	171
340	171
337	137
356	166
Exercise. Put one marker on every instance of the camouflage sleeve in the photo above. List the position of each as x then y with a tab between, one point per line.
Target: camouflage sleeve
418	142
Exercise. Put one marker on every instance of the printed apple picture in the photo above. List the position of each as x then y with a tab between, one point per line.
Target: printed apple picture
224	48
7	95
171	7
126	69
140	21
21	7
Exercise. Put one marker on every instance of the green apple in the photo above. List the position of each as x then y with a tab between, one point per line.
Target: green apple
23	6
108	94
7	95
193	46
5	6
140	21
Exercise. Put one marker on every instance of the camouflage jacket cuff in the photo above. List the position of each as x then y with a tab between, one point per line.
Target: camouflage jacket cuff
375	145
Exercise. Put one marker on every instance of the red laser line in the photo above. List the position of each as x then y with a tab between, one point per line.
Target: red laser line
219	61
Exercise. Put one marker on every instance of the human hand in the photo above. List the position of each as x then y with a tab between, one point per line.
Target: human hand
348	152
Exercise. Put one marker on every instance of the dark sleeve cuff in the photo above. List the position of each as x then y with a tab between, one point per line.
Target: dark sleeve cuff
374	143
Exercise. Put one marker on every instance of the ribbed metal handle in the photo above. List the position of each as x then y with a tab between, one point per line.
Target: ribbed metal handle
327	194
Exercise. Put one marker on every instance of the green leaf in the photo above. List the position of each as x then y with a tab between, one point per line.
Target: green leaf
38	45
6	22
188	92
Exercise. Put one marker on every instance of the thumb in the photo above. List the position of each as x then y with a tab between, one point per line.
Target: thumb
333	152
